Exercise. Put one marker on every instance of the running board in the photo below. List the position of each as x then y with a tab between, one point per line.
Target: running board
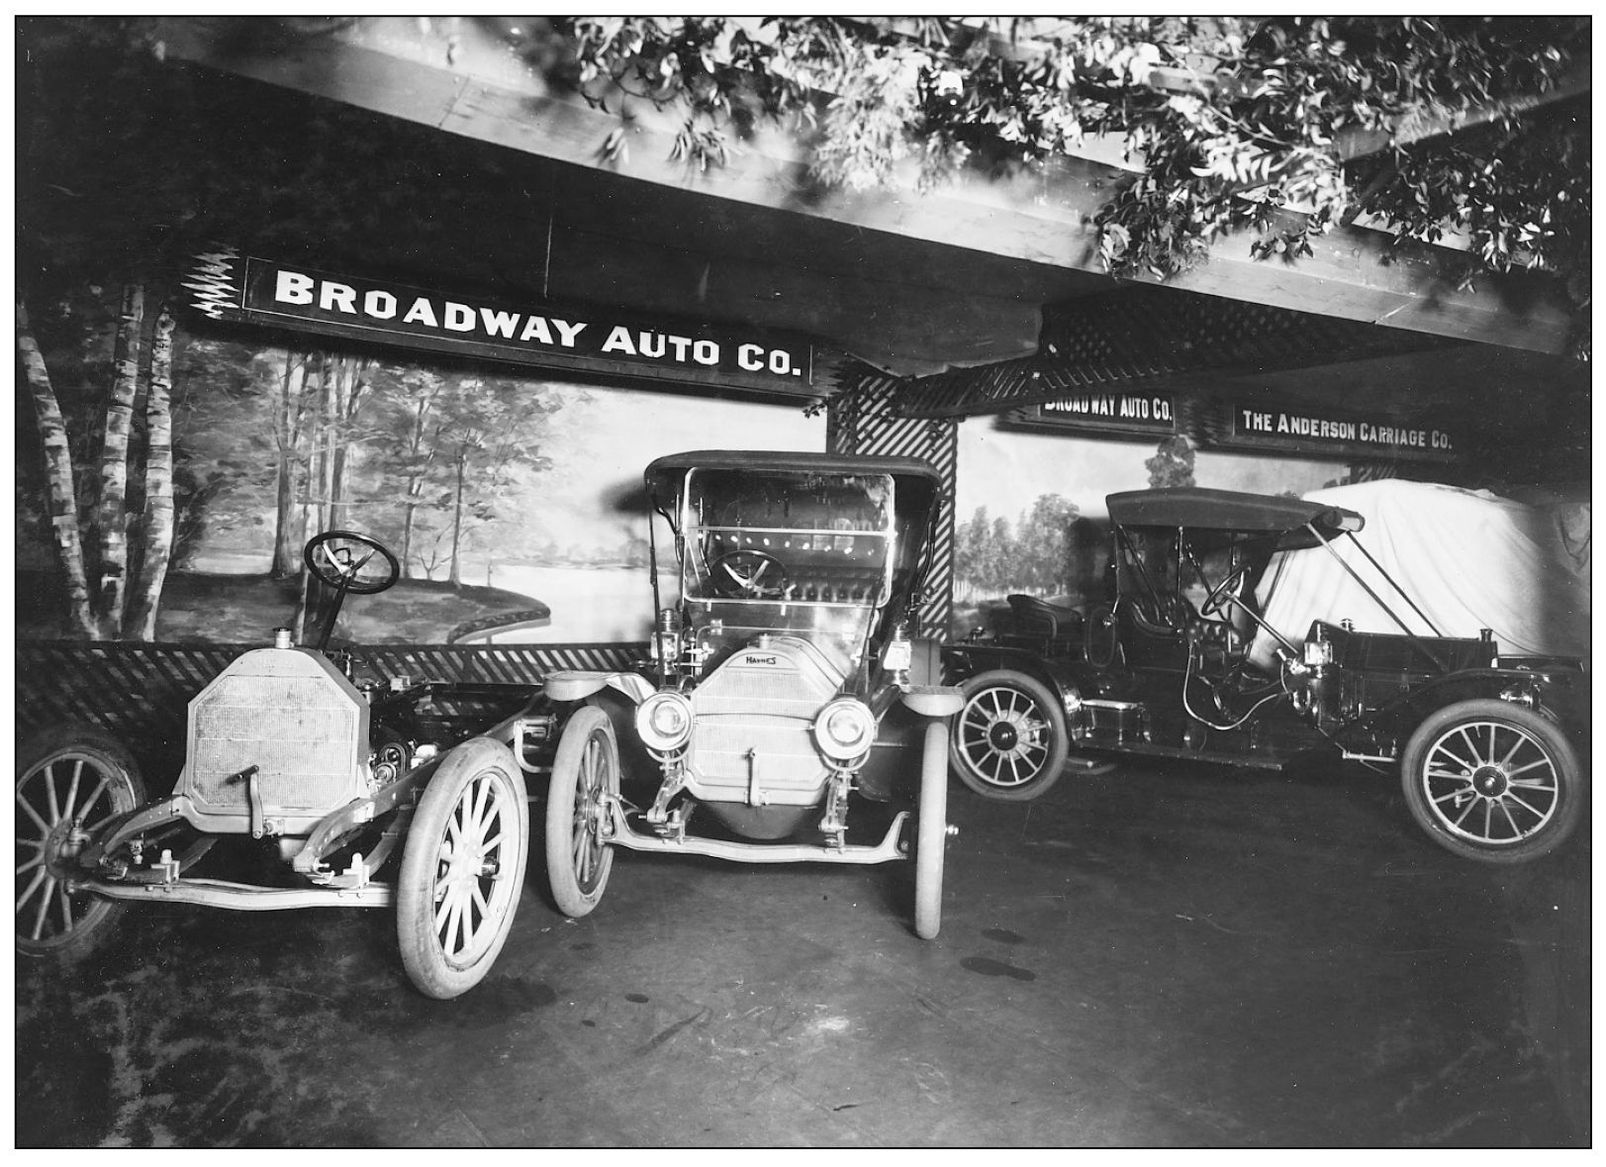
882	852
240	897
1248	761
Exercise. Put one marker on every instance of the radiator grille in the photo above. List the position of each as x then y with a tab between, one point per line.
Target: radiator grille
762	702
290	715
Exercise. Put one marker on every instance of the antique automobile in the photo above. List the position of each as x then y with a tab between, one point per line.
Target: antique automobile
358	792
1255	630
786	697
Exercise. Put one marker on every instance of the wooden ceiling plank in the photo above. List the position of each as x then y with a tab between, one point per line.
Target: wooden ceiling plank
1038	218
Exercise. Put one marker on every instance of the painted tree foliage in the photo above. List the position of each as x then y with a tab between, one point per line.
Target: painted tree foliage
1035	554
224	444
460	449
1424	127
318	403
439	462
1172	463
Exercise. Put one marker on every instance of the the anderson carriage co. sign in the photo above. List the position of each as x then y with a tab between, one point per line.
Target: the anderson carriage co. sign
1263	424
231	286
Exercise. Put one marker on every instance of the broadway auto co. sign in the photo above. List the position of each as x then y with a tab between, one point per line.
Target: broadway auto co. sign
230	286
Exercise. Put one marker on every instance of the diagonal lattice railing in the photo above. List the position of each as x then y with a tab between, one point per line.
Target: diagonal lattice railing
140	691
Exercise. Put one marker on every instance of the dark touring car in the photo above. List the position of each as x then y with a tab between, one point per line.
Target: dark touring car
1183	663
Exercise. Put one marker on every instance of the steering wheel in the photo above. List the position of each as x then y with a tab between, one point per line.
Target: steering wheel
742	573
1224	592
346	560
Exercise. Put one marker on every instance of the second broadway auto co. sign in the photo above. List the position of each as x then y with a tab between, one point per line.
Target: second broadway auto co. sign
597	340
1135	415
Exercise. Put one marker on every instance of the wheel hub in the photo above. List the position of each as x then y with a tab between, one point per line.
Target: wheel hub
1490	781
1003	736
595	817
63	844
467	864
591	813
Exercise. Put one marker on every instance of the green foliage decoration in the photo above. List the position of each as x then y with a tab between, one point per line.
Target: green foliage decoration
1426	127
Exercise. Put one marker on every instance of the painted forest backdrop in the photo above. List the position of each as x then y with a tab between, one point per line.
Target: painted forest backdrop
479	477
499	491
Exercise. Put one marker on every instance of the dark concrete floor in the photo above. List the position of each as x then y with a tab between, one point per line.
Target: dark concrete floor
1157	958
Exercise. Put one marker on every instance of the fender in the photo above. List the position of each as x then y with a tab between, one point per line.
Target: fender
933	701
1402	714
964	660
575	685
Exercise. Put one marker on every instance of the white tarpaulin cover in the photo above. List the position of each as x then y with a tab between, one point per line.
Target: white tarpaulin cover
1469	559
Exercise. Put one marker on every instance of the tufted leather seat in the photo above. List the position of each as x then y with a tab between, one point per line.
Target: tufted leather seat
1054	623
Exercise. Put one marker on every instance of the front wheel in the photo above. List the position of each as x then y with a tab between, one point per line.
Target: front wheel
1492	781
1008	741
585	781
931	833
462	869
71	781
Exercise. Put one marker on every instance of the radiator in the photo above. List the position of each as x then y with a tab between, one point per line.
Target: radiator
753	717
291	714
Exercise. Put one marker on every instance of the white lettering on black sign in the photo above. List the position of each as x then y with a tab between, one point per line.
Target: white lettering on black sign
1262	422
1142	409
505	330
293	288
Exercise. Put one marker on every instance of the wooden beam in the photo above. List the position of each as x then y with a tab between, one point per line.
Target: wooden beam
1356	142
1042	217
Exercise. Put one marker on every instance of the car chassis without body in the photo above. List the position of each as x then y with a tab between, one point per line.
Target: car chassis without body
287	749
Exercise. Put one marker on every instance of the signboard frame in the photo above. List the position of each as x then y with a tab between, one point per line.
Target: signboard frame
1282	425
507	327
1134	416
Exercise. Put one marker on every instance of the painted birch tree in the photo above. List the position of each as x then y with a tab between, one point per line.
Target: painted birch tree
127	165
160	528
63	505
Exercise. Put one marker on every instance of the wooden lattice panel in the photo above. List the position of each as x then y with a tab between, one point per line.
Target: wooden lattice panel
1117	341
861	420
140	690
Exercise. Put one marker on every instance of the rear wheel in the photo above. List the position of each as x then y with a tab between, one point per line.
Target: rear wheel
585	780
70	782
462	869
1492	781
931	833
1008	741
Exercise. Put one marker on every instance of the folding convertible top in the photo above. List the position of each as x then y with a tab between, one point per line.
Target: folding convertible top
1468	560
1226	510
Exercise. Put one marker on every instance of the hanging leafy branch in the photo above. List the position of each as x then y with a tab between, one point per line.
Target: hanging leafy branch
1285	127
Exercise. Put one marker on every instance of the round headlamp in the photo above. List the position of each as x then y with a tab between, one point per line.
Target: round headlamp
845	729
663	721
